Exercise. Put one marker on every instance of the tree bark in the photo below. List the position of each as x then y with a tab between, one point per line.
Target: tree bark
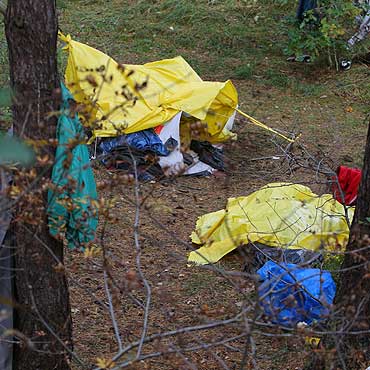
41	291
354	286
352	302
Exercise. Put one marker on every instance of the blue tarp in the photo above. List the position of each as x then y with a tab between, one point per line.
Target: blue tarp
290	294
146	140
108	145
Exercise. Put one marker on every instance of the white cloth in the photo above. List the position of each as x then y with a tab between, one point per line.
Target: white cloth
174	162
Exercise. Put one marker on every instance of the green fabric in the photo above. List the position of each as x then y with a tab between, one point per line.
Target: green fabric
72	207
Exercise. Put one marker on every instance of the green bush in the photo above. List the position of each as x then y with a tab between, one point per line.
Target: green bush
324	31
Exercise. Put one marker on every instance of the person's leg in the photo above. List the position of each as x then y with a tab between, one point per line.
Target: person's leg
304	6
300	10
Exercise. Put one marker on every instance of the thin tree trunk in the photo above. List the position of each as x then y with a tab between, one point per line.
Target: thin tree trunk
352	302
354	287
41	291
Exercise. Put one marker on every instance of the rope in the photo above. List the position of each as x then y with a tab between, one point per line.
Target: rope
262	125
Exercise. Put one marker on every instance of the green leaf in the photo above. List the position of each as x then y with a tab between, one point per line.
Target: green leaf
5	97
15	152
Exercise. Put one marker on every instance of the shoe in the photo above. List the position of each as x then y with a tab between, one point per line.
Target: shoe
304	58
345	64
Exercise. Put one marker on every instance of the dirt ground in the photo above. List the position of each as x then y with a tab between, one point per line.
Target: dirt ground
241	40
183	294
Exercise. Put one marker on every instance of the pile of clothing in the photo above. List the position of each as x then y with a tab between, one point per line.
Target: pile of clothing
143	151
144	116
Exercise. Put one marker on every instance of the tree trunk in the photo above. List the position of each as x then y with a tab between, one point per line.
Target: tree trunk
352	302
40	290
354	287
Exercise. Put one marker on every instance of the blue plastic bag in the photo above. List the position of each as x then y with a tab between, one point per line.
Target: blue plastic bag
290	294
108	145
146	140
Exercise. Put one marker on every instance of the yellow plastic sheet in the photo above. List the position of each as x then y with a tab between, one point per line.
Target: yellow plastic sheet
172	86
278	215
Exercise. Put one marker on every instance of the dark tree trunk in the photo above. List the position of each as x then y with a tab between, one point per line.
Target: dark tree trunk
354	289
348	350
41	291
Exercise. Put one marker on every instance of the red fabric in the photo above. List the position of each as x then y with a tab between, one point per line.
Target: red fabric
158	129
349	181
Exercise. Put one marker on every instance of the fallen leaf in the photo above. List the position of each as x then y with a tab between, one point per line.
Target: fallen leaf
104	363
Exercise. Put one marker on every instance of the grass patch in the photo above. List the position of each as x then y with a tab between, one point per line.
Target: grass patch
245	71
215	31
277	79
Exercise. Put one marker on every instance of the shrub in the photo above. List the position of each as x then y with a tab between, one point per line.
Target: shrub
324	31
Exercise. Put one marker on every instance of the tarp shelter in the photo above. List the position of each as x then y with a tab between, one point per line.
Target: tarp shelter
130	98
278	215
123	99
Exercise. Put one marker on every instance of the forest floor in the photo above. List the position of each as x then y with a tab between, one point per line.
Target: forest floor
237	40
221	42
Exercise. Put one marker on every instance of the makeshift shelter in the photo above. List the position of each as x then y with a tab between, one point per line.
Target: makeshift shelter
123	99
131	98
278	215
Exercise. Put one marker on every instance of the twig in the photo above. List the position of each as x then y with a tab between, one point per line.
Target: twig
175	332
111	312
186	349
138	260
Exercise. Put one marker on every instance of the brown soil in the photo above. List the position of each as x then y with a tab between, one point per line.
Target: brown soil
184	295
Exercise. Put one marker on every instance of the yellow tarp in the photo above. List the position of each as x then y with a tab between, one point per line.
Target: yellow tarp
277	215
172	86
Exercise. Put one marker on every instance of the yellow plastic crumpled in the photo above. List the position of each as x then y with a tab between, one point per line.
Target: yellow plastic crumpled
172	86
278	215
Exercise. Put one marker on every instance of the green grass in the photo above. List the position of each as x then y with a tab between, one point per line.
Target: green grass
221	39
241	40
216	32
200	281
245	71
